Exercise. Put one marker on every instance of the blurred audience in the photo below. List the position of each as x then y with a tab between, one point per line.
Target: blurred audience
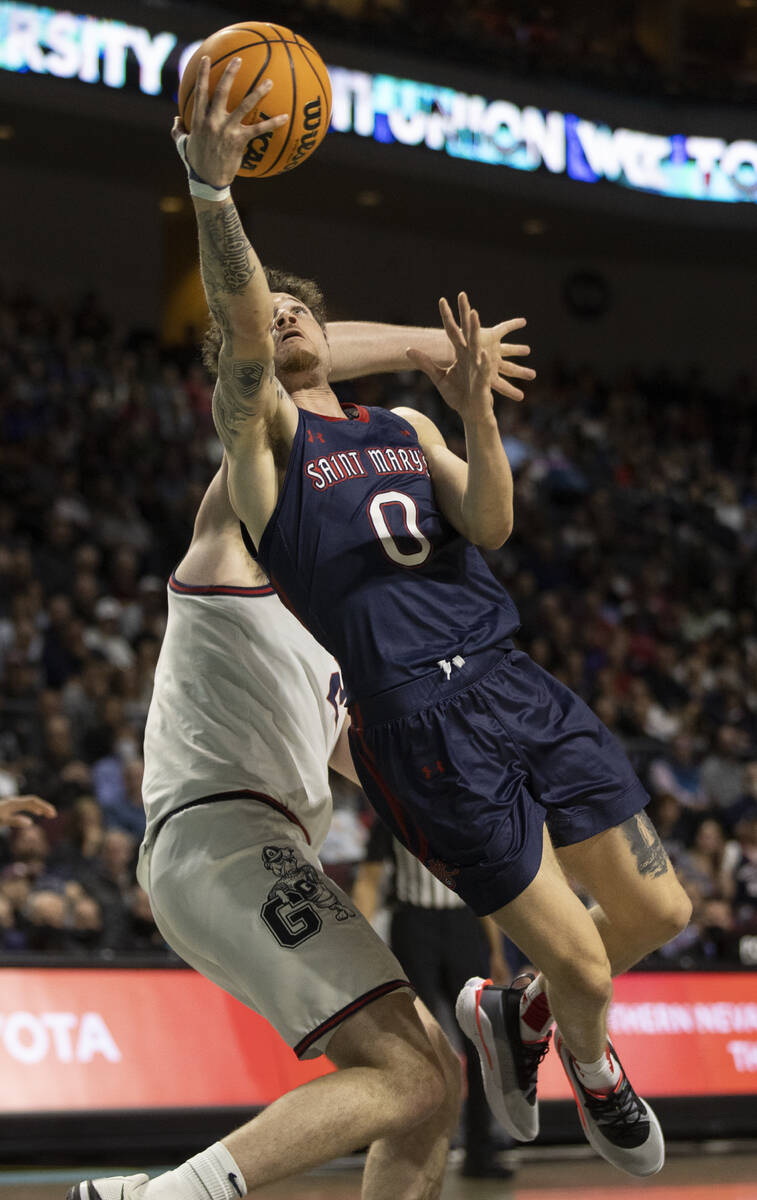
671	49
633	564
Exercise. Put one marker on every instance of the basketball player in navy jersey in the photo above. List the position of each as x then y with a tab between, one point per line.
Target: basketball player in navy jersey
494	774
246	713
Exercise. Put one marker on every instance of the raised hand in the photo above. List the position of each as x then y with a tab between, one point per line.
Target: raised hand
218	139
498	353
465	385
13	810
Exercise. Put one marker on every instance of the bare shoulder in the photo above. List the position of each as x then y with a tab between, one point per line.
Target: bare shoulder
428	432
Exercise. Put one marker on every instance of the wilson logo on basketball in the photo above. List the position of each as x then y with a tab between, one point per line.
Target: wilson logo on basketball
311	122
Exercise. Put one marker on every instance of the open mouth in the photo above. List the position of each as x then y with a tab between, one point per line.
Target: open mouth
290	334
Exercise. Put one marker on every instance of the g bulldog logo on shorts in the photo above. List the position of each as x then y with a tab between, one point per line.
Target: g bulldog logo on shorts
291	910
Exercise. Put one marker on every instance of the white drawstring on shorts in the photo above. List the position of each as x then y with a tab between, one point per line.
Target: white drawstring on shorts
446	666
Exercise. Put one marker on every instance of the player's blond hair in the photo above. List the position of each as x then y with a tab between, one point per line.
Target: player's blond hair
305	290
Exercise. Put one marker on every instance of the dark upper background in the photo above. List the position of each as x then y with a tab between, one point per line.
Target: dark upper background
387	229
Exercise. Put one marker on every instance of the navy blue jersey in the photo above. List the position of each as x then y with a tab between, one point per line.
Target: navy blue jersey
358	549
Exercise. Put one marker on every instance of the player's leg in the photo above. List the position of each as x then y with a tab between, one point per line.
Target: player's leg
238	892
389	1092
640	904
412	1163
550	925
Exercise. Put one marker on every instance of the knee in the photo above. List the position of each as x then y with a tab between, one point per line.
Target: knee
422	1087
670	917
452	1071
587	977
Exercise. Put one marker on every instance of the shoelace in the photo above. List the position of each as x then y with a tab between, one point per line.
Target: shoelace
619	1108
530	1056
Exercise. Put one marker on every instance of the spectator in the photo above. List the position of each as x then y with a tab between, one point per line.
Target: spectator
678	774
632	559
126	811
722	774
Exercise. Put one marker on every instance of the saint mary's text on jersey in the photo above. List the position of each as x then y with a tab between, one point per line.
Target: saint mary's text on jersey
344	465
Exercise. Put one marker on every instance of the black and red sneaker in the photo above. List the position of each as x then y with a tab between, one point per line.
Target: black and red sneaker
490	1017
620	1126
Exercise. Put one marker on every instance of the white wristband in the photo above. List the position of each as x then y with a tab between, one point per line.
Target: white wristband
198	187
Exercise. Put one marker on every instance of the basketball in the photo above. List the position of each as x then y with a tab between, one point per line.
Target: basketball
301	87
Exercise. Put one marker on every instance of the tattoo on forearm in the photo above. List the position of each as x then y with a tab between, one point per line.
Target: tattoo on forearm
646	846
247	377
234	400
224	254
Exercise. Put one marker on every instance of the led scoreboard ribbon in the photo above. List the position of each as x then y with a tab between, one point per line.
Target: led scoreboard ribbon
47	41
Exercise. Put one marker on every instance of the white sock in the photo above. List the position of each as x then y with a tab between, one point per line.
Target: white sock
211	1175
535	1015
601	1076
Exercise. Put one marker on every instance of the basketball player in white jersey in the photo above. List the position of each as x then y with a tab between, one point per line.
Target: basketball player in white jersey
246	716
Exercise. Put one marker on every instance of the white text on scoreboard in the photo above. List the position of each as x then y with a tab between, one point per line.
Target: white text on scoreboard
390	110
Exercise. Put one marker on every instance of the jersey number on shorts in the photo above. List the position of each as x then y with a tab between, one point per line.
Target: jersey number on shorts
290	918
378	519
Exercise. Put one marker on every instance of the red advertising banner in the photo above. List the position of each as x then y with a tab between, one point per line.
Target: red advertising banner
74	1040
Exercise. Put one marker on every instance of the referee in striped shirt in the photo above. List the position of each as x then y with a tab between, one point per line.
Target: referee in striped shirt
440	944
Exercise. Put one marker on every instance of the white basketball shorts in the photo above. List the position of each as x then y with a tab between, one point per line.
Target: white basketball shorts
241	896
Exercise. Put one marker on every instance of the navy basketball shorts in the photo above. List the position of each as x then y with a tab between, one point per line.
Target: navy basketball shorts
467	778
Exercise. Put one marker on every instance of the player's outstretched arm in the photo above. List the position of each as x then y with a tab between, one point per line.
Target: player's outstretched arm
370	348
476	497
234	282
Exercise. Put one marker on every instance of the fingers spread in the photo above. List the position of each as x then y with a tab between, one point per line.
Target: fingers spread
509	351
504	388
450	328
201	90
251	100
474	332
510	326
515	370
252	131
221	94
463	308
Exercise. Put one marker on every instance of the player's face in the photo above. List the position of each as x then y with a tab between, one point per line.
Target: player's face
300	345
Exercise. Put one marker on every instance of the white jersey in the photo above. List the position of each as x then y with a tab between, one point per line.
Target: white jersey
244	700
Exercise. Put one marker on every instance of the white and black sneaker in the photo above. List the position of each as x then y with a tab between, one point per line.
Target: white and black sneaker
118	1187
620	1126
490	1017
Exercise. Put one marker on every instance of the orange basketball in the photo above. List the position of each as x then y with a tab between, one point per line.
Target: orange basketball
301	87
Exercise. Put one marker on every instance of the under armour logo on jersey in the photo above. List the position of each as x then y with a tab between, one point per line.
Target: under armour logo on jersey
444	873
318	437
437	769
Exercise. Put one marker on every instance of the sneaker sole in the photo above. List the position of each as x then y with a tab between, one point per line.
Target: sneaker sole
617	1156
476	1025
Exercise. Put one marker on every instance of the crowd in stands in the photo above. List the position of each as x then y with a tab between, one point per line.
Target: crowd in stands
684	51
633	563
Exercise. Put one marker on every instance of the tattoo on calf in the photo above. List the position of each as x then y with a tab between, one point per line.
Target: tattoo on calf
646	846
